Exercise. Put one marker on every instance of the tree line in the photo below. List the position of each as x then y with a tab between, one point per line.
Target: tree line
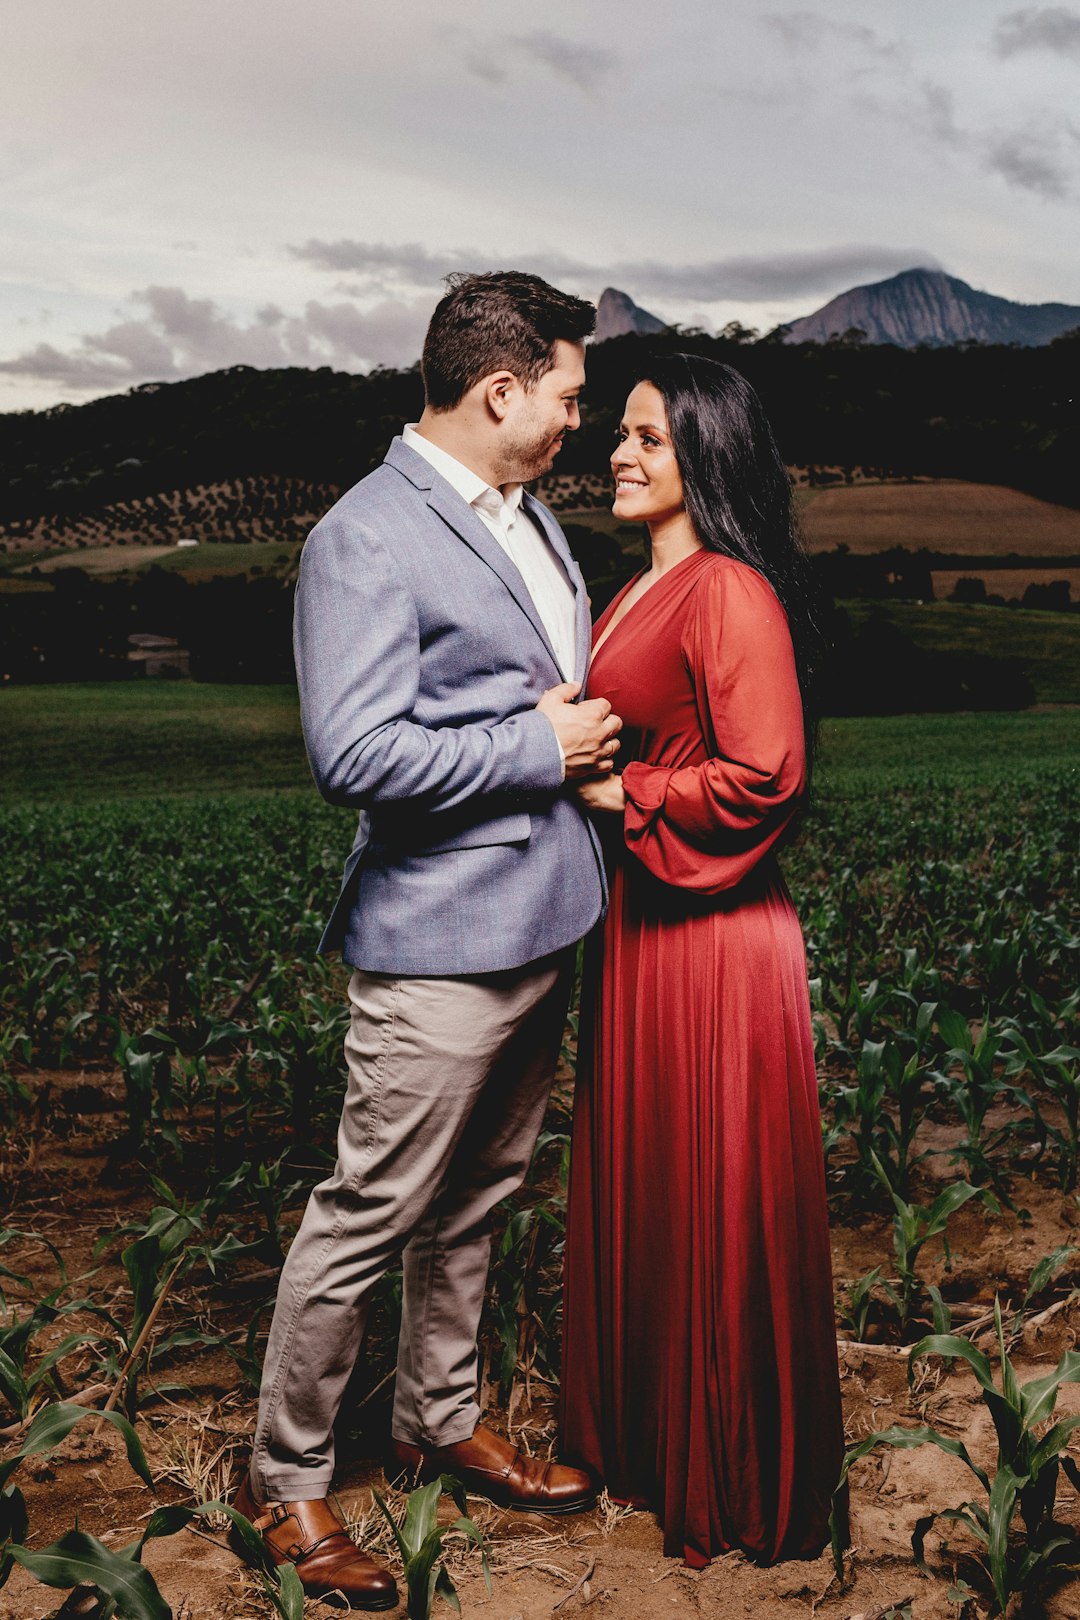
989	413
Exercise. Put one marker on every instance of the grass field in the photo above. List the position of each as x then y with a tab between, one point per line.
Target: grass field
173	739
87	741
1046	645
200	562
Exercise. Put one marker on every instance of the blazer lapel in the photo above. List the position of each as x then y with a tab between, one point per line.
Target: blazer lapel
470	528
582	616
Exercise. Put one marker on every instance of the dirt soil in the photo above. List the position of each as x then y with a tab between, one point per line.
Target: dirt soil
61	1184
943	515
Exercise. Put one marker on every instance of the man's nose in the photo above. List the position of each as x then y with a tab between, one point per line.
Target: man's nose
573	416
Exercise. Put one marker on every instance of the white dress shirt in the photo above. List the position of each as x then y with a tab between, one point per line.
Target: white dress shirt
504	516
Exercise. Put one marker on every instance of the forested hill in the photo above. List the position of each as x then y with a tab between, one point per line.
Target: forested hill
998	414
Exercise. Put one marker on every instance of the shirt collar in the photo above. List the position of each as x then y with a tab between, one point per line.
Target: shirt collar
469	485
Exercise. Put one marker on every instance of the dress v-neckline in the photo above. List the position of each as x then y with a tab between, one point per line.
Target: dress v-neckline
613	629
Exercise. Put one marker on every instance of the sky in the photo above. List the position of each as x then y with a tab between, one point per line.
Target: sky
190	184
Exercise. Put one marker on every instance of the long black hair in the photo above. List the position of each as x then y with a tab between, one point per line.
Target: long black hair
738	496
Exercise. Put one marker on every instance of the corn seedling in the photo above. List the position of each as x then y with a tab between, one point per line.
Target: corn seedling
420	1537
1021	1490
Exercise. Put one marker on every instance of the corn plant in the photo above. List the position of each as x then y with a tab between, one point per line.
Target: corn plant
23	1386
123	1586
973	1090
913	1227
169	1243
1059	1071
860	1294
1023	1483
420	1540
76	1558
885	1107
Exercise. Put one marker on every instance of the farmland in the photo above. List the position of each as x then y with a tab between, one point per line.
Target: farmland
940	514
170	1071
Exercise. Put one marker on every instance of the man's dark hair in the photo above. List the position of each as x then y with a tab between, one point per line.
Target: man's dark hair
501	320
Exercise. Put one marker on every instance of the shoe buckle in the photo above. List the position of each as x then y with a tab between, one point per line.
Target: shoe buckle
279	1512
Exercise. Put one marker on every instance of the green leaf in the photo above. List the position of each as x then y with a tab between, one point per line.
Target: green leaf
54	1423
903	1439
78	1557
392	1522
967	1514
952	1345
954	1029
1002	1503
290	1594
946	1204
12	1384
1039	1397
942	1314
447	1590
421	1515
1045	1270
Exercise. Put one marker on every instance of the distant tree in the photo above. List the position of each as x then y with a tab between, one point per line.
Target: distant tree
968	590
1052	597
736	332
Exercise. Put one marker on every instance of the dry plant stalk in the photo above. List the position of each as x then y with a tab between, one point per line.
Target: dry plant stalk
201	1462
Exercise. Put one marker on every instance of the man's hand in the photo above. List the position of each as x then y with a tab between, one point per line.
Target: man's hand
586	731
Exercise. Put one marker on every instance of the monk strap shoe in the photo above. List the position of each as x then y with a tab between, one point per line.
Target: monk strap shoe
311	1536
489	1466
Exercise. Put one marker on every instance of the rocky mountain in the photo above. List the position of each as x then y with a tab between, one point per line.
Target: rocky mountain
927	306
617	314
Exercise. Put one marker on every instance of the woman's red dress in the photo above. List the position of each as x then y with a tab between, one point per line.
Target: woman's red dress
700	1373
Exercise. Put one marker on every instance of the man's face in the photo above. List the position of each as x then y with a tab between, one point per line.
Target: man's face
532	433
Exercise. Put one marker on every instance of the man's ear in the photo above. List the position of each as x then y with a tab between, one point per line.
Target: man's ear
499	391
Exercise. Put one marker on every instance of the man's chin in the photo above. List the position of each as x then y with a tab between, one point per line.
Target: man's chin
545	464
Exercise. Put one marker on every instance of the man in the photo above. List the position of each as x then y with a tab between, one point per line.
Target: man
442	632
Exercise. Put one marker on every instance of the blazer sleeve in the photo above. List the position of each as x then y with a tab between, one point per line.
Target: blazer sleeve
704	827
356	639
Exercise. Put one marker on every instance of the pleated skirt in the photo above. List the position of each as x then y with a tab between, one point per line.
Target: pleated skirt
699	1369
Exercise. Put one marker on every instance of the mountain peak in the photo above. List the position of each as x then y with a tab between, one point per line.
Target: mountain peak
617	314
922	305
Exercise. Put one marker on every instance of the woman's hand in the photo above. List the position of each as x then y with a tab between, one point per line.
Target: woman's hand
601	793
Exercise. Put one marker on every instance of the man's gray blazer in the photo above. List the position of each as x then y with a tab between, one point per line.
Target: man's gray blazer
420	658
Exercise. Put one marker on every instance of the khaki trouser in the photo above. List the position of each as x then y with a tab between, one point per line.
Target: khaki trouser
448	1082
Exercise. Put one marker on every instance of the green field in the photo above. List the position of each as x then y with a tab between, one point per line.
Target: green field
1045	645
173	739
203	561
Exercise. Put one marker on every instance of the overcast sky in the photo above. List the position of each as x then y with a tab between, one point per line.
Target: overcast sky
190	184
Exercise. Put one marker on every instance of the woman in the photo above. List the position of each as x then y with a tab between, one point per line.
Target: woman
700	1374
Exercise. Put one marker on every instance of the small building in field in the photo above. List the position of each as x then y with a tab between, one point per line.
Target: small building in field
158	655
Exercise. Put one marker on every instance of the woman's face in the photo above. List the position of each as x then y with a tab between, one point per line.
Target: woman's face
648	484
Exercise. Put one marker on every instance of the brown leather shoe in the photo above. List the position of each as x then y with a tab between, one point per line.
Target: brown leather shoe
328	1561
490	1466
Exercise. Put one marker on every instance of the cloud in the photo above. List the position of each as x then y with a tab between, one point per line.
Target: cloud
1030	160
497	59
939	105
746	277
180	336
1039	28
806	31
581	65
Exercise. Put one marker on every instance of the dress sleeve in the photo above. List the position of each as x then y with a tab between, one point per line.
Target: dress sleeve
704	827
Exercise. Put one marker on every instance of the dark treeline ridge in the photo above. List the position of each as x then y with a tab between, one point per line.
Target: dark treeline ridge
997	414
238	629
